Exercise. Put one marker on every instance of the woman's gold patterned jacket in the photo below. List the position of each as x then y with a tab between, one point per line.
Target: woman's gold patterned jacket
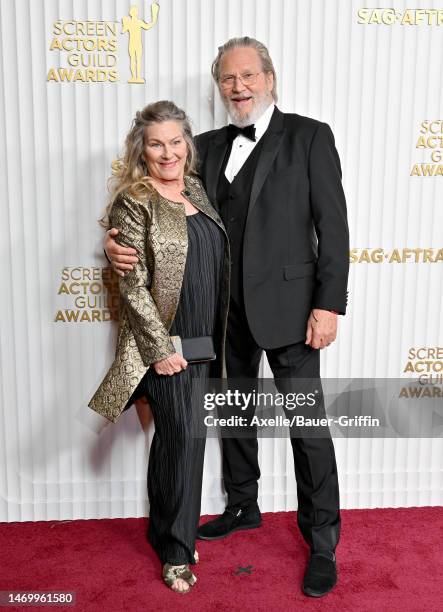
150	292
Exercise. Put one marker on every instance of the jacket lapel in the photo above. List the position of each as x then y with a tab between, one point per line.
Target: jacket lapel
214	160
273	138
199	198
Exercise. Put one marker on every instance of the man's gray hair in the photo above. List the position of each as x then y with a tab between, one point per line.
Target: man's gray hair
246	41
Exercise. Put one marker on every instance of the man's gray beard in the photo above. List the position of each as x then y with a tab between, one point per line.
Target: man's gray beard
260	105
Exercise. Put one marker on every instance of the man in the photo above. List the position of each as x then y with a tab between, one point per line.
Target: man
276	181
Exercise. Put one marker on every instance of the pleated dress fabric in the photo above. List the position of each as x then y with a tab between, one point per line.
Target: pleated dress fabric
177	452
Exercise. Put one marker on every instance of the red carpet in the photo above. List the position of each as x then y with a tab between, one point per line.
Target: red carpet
390	559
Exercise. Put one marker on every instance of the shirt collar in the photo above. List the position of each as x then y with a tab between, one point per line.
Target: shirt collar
262	123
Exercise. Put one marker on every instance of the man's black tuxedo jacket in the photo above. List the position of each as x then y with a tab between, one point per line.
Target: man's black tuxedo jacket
296	241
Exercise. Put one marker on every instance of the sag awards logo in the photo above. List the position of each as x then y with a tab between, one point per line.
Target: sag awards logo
430	139
408	17
425	363
379	255
90	295
91	48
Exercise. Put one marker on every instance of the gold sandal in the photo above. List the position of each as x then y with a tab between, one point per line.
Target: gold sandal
171	573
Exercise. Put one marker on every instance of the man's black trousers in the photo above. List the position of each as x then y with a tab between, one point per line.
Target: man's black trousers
318	513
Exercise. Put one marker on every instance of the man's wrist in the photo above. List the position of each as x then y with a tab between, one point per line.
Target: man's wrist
327	310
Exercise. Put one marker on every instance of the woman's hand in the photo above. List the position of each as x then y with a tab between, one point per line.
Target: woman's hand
122	258
171	365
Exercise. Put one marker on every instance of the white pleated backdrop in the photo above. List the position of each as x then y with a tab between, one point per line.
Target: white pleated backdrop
374	84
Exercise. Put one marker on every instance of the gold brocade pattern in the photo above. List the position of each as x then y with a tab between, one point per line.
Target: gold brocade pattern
157	229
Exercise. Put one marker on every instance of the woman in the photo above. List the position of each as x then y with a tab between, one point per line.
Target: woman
179	287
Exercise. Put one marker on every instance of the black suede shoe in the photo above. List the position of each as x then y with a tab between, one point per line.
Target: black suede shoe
321	574
232	519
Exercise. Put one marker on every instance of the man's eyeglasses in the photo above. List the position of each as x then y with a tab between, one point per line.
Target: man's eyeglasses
247	78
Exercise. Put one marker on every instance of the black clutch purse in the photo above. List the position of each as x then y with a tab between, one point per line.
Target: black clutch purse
195	350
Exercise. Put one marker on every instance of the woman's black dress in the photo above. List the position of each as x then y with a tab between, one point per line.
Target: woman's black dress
176	456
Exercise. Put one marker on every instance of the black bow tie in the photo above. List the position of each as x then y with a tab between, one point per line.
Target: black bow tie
234	131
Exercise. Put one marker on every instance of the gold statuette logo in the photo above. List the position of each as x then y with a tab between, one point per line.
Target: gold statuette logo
134	26
88	51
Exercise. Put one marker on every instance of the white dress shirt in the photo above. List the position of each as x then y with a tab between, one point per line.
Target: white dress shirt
243	146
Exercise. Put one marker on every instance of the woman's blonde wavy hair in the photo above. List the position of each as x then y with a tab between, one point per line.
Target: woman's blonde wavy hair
130	172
